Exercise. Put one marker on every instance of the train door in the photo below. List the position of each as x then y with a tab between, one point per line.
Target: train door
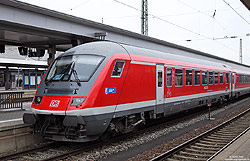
159	88
230	84
233	83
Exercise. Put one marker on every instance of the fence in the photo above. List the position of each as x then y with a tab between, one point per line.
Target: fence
11	99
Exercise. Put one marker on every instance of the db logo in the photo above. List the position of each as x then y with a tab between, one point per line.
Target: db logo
54	103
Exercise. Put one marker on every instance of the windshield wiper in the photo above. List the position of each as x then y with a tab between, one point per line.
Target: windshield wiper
48	80
72	69
76	77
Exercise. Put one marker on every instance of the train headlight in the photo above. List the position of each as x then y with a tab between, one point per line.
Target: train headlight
38	100
77	101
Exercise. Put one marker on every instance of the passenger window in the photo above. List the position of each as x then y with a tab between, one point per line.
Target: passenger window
169	77
189	78
227	78
178	77
197	77
216	78
221	78
210	78
117	71
160	78
204	77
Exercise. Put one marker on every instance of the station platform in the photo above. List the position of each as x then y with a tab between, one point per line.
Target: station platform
237	151
10	117
14	134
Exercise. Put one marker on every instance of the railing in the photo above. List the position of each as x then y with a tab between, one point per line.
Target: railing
11	99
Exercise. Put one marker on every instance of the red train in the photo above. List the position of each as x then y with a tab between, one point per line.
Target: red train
104	88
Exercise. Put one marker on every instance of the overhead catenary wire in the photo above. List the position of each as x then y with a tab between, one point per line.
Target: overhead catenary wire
237	12
204	13
197	12
183	28
213	17
159	18
78	5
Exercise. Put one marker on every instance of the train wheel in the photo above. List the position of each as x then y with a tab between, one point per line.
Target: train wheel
105	136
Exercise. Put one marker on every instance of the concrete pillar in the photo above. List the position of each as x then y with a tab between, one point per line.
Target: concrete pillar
23	79
36	76
7	80
52	54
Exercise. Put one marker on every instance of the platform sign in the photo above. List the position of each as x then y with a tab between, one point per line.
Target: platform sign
26	80
32	80
110	90
38	80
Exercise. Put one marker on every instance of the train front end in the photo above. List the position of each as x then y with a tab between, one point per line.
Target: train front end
62	108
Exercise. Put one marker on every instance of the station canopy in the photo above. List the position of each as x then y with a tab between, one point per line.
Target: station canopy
26	25
246	3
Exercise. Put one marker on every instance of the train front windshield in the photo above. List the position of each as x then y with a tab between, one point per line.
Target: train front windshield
74	68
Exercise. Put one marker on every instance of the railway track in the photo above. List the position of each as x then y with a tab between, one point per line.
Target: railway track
207	145
49	151
60	150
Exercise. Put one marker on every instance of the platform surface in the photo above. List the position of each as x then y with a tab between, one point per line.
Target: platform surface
238	151
10	117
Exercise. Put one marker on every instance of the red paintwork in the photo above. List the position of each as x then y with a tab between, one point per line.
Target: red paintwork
137	83
173	62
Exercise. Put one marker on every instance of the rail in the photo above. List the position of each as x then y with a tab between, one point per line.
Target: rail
11	99
167	155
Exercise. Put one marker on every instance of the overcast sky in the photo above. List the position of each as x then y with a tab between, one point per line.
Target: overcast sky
175	21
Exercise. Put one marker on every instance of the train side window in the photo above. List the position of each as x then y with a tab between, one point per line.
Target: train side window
159	78
178	77
210	78
221	78
197	75
204	77
169	77
216	78
227	78
117	71
189	77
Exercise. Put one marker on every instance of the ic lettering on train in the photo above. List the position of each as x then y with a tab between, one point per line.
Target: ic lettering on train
111	90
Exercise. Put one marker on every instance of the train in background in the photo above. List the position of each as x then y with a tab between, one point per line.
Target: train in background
99	89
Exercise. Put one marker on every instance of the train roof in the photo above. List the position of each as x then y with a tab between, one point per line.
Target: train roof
108	48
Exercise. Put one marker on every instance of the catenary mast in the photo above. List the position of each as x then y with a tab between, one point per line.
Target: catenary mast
144	17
